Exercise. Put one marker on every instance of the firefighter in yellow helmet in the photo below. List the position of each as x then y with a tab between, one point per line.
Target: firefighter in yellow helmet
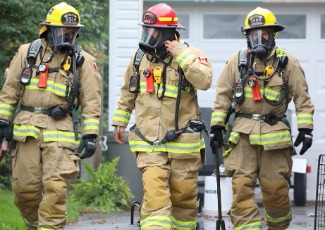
160	84
46	81
248	121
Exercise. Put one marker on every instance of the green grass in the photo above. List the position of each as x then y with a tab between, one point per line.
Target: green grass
10	218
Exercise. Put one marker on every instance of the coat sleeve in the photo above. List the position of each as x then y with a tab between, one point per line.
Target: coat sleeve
90	87
11	91
126	102
195	65
224	91
298	89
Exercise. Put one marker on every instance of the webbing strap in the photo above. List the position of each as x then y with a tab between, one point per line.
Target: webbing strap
137	59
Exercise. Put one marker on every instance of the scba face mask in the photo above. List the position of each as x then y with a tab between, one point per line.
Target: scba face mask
152	41
63	38
261	41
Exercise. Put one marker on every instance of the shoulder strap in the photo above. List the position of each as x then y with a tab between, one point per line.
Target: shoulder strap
137	59
242	59
33	50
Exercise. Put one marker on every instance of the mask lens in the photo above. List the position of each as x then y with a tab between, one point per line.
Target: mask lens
259	37
63	37
151	37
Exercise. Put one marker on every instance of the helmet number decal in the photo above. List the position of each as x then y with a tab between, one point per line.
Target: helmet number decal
149	18
69	19
256	20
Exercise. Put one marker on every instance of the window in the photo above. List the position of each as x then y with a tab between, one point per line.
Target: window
223	26
217	26
322	21
184	20
295	26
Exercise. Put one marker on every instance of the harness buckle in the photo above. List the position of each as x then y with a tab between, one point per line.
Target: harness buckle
38	110
256	116
156	143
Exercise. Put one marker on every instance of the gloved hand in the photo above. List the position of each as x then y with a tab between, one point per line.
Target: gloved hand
5	131
88	142
306	137
216	135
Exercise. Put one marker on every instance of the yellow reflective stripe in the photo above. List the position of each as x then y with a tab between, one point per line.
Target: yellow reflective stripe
91	124
121	115
53	87
226	152
26	130
270	138
305	118
234	137
184	57
251	226
269	93
65	136
174	147
150	221
168	19
278	219
6	109
140	146
171	91
218	117
42	228
202	143
184	225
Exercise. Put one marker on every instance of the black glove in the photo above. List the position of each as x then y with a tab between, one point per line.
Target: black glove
216	135
88	142
306	137
5	131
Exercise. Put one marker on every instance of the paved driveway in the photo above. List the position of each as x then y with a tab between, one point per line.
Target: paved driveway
303	218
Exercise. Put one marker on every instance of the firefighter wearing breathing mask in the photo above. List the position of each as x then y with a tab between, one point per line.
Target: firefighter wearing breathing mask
248	121
46	82
160	84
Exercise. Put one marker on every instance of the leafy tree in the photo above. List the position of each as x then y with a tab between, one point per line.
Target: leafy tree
20	20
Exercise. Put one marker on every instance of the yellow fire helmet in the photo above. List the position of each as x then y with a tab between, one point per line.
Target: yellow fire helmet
61	15
261	18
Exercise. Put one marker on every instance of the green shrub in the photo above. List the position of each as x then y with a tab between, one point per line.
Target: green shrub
104	191
5	173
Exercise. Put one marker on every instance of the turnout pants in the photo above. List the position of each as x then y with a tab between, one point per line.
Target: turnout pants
40	171
247	163
170	191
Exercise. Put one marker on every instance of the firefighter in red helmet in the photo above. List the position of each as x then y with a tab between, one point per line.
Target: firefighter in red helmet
161	84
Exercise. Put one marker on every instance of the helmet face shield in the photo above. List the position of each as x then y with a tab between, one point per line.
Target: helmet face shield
261	41
151	39
63	37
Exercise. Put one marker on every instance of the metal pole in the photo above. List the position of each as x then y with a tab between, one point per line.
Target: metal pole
220	224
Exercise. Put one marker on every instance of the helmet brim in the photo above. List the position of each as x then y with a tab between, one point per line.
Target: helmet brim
178	26
49	24
276	28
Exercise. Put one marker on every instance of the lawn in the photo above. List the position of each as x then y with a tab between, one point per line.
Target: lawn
10	218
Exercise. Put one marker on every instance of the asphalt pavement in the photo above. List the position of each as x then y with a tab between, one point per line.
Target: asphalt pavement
303	218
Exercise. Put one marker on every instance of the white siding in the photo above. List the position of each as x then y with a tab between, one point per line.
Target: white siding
124	30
